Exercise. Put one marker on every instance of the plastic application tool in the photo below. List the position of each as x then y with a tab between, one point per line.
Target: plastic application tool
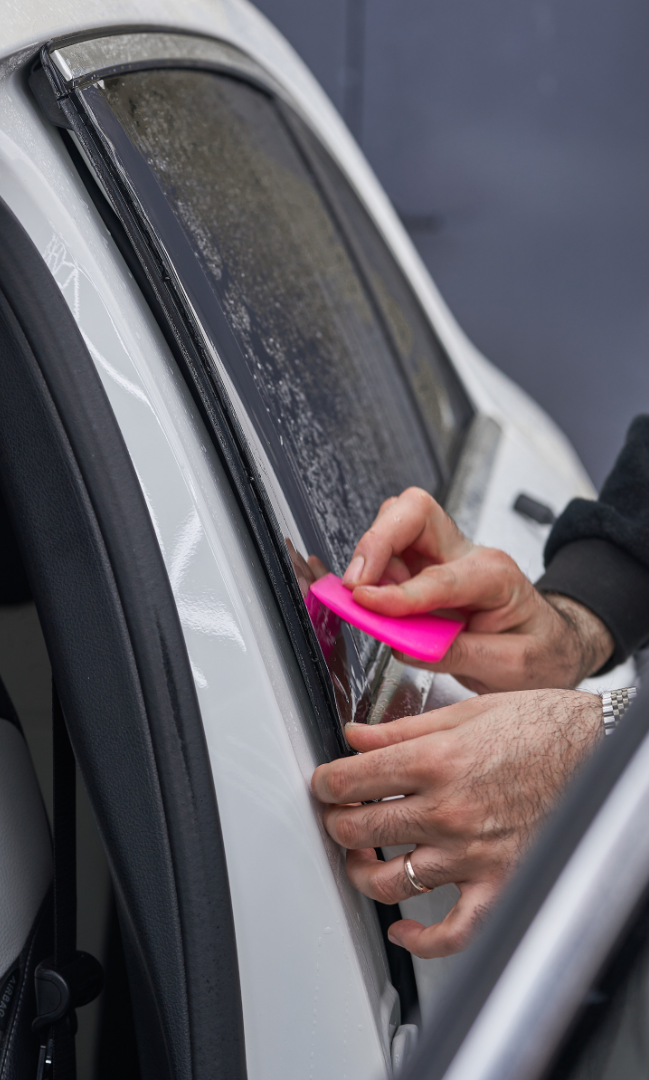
426	637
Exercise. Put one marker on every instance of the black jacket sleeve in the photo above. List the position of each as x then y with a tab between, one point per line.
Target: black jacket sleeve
598	551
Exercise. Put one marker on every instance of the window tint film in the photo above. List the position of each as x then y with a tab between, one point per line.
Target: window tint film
611	1039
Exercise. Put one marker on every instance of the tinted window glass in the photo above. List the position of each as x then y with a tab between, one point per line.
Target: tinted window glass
441	399
349	394
339	420
611	1039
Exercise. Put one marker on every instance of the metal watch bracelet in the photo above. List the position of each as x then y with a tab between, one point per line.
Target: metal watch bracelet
614	705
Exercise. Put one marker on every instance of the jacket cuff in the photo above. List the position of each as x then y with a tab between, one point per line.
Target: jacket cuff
613	584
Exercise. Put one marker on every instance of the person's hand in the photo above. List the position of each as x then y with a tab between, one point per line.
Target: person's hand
476	778
414	559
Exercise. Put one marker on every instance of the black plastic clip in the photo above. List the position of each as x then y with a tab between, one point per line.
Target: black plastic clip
61	990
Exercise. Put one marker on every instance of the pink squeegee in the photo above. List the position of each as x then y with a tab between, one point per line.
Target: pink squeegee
426	637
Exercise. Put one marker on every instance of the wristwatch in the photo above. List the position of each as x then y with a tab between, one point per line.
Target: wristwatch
614	705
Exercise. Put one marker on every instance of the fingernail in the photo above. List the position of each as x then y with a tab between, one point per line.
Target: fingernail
354	570
351	723
393	939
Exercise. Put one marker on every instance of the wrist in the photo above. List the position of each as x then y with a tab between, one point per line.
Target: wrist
589	641
586	720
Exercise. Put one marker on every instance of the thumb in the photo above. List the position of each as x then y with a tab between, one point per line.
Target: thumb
454	933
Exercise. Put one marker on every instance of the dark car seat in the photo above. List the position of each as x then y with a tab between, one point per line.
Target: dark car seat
25	896
25	858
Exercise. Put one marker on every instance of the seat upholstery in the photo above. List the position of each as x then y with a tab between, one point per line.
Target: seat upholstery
25	916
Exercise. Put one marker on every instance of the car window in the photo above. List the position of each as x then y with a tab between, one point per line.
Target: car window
611	1037
442	401
334	373
327	391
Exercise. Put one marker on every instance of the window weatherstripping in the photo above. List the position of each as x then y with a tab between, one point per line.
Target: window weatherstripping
83	62
334	390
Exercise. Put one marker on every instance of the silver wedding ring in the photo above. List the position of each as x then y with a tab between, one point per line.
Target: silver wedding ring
412	877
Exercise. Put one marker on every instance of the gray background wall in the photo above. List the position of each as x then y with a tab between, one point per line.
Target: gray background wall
513	138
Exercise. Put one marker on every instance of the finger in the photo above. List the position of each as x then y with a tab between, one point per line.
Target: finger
385	505
386	772
413	519
481	579
388	882
493	662
395	572
387	824
454	933
389	770
365	737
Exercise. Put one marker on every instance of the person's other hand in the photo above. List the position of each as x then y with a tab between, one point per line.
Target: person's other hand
414	559
476	778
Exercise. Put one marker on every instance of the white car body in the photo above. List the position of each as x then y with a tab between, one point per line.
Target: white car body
317	1001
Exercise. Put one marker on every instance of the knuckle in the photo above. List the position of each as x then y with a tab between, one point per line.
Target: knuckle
439	762
500	559
423	502
458	651
384	890
337	781
376	541
347	831
417	493
460	821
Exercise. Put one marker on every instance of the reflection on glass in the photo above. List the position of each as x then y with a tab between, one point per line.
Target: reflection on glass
330	632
